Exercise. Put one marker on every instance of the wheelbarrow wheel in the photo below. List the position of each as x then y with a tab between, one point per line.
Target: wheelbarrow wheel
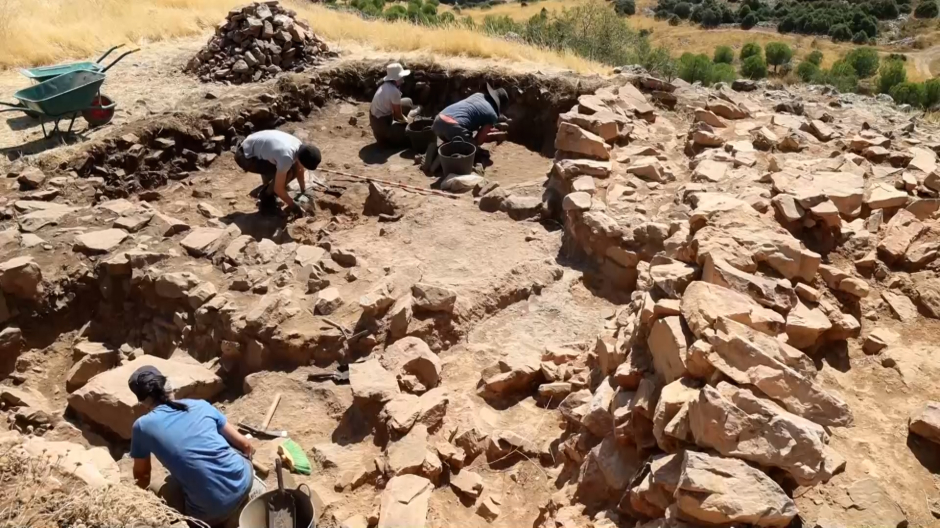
31	114
96	115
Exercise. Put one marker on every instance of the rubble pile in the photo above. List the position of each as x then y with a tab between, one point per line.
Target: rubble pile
257	42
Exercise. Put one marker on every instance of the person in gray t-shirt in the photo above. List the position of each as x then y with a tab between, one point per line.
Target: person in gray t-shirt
279	158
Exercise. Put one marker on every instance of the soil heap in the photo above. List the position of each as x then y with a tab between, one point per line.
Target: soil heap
257	42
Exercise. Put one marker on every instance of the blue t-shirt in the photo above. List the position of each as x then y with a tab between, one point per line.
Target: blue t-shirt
473	113
213	475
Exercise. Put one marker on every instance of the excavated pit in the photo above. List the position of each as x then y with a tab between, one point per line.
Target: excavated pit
116	302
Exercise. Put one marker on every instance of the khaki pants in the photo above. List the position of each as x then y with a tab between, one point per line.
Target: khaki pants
388	132
172	493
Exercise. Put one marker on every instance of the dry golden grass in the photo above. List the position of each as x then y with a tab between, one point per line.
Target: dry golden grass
34	32
513	10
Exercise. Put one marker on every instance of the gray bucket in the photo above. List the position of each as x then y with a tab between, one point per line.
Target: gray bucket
254	515
457	156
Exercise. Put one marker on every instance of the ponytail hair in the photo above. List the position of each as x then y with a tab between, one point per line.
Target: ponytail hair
148	382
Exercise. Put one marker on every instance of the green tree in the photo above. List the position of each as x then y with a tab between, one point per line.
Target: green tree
807	71
891	74
724	55
749	50
860	38
816	57
840	33
778	54
927	9
931	93
683	10
910	93
864	61
754	67
696	68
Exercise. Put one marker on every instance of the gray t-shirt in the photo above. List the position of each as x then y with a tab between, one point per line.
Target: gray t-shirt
279	148
473	113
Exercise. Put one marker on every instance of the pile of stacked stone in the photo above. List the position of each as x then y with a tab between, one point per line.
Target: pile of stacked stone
257	42
678	413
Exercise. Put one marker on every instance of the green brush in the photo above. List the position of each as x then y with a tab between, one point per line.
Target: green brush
293	456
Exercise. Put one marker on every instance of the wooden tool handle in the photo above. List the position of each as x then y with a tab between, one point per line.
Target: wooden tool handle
267	417
262	470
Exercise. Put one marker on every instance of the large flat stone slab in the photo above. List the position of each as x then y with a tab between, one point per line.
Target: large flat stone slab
106	400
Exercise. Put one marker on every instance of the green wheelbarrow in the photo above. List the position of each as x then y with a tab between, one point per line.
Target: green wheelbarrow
45	73
65	97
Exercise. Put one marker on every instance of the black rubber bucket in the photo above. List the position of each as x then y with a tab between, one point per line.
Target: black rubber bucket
457	156
420	134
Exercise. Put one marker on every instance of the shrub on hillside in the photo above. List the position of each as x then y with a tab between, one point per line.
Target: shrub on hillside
749	21
807	71
625	7
749	50
683	10
778	54
932	93
927	9
674	20
696	68
816	57
910	93
724	55
860	38
864	61
754	67
724	72
891	74
590	30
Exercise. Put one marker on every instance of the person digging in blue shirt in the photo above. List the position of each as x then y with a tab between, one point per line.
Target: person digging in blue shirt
211	477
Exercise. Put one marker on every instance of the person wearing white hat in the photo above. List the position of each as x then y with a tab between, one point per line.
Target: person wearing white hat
388	110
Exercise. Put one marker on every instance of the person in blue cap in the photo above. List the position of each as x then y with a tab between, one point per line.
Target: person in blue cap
211	477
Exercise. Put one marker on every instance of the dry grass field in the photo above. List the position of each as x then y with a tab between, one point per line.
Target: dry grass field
36	32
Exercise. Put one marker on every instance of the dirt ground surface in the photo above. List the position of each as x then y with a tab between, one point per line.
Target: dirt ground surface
522	286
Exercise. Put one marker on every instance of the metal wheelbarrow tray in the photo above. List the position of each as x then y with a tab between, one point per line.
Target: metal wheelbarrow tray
44	73
65	96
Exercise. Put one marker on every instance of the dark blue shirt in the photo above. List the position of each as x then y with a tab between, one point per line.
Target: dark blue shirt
473	113
213	475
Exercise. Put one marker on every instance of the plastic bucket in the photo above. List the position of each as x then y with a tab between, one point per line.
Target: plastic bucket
254	515
420	134
457	156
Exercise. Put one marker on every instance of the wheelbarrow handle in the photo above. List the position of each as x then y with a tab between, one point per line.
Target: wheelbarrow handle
121	56
14	107
101	58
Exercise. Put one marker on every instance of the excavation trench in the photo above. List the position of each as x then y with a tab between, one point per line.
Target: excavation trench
146	154
129	301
